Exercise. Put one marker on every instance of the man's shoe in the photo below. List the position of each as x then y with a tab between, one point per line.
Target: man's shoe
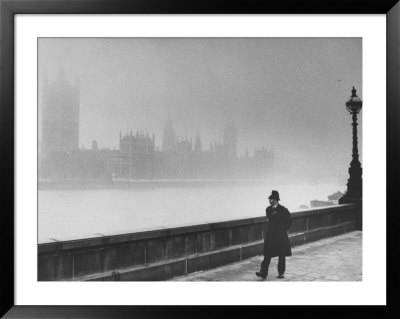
261	274
280	276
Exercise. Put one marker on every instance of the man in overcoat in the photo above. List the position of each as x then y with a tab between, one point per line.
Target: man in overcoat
276	240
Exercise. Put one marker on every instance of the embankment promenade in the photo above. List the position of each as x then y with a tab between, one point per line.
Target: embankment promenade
168	253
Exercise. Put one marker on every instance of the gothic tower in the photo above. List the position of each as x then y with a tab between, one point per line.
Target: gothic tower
197	144
60	115
230	141
169	143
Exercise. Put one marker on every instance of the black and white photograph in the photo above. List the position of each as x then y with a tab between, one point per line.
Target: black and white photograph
161	158
200	159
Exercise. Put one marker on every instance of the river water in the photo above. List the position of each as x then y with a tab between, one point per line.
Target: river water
85	213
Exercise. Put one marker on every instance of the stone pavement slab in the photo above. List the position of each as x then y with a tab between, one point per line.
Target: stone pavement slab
336	258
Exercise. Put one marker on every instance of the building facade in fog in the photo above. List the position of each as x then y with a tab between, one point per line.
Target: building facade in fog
60	115
137	156
136	153
181	158
59	145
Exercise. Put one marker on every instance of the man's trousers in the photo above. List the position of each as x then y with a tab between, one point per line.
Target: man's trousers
281	264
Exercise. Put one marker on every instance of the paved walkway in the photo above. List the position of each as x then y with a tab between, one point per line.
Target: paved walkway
336	258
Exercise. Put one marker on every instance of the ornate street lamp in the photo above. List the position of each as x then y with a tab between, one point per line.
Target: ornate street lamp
354	183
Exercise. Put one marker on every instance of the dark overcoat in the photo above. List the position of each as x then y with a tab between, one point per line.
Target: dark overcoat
276	240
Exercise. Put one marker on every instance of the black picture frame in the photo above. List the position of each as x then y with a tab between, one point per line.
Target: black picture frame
8	10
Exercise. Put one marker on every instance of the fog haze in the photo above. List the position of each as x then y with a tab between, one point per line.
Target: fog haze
286	94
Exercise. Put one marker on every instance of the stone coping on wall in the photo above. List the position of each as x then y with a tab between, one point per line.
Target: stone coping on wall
181	266
49	248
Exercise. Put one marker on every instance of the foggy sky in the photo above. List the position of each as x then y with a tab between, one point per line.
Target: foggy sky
286	94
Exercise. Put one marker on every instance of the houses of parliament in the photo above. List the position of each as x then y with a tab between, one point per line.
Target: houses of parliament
136	157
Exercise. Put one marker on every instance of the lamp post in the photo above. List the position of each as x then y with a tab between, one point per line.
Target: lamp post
354	183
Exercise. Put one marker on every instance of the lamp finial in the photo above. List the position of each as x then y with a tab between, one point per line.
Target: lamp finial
353	92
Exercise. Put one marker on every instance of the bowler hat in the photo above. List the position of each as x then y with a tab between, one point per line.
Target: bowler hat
274	195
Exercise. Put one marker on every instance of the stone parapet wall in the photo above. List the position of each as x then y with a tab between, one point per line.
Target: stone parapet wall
167	253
